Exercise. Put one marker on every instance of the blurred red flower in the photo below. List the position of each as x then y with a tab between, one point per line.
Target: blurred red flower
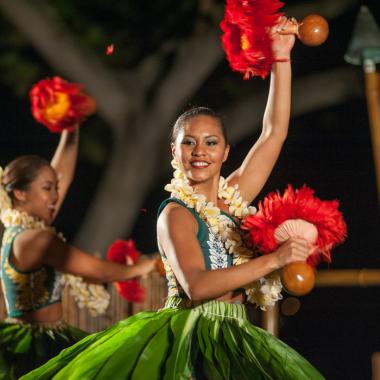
119	252
110	49
131	291
60	105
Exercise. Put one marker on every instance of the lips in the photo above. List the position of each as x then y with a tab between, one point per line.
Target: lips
51	209
200	164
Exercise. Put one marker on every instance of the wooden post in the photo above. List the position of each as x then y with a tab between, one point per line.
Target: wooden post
270	319
348	277
375	366
372	85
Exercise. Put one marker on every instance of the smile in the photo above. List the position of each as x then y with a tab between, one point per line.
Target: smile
200	164
51	208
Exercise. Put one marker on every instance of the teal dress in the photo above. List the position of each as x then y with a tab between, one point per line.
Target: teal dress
25	346
210	340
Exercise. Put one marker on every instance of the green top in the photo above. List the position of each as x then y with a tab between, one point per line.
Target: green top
26	291
214	253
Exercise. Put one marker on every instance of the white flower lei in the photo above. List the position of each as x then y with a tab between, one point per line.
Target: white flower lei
263	292
94	297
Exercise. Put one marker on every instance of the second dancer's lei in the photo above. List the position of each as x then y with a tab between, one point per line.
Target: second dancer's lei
92	296
263	292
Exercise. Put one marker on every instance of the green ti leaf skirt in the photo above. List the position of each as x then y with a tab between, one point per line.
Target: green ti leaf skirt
212	341
24	347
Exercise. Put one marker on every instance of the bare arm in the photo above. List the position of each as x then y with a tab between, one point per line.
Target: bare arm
64	162
258	164
33	248
177	230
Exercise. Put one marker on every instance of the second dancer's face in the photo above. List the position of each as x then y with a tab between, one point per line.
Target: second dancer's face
42	195
200	149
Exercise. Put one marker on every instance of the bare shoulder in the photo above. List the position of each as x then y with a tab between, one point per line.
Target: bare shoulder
176	215
30	247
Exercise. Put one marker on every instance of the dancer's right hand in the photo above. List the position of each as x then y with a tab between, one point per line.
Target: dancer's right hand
294	249
146	264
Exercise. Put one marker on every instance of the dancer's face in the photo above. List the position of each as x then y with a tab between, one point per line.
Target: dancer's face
41	197
200	149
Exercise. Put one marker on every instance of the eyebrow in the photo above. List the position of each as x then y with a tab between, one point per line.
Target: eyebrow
208	136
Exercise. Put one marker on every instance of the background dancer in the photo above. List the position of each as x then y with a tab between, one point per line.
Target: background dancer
34	257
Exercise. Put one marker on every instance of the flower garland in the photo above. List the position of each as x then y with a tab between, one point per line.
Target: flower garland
94	297
263	292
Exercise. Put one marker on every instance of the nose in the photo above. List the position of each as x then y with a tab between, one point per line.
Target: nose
198	150
54	196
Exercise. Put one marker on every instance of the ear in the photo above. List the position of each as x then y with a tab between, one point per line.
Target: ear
20	195
172	147
226	152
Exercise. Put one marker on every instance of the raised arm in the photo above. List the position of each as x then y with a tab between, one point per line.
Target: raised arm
64	163
32	248
177	230
258	164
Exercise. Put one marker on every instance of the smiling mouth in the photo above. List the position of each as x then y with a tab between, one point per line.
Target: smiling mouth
51	209
200	164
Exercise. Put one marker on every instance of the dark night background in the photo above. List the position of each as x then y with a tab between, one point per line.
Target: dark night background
329	149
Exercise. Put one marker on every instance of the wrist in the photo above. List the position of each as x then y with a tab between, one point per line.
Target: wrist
274	261
282	58
131	271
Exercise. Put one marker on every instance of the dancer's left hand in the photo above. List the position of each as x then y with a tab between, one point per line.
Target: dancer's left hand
282	44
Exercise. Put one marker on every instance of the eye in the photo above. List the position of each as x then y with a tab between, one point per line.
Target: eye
188	142
211	142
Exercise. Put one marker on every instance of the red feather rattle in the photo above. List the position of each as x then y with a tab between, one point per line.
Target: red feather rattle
60	105
297	213
125	252
246	35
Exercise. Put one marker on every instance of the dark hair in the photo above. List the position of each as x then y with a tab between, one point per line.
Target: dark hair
19	173
194	112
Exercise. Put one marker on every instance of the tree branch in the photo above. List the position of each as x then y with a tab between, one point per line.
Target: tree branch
48	35
309	94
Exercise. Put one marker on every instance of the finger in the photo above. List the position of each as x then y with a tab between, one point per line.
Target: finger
129	261
303	254
281	19
313	249
301	251
300	240
280	27
155	256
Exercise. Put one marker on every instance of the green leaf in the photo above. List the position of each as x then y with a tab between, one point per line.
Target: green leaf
152	358
23	345
178	366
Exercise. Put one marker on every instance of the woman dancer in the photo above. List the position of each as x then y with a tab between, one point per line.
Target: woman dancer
33	259
203	331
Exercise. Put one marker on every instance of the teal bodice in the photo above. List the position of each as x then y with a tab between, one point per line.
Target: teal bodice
214	253
26	291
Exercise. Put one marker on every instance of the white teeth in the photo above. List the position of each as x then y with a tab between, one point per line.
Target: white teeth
199	164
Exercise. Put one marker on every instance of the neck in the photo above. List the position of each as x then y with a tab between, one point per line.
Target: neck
24	211
19	217
209	189
19	208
